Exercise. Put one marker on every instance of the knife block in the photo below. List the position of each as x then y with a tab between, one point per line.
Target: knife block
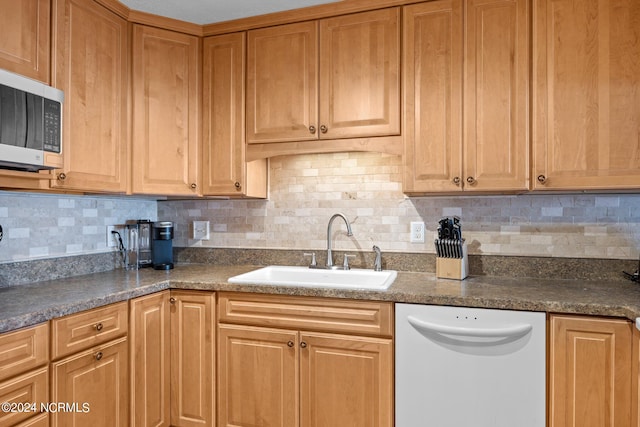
453	268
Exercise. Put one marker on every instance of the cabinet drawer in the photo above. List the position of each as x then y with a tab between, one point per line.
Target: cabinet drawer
313	314
80	331
31	388
41	420
23	350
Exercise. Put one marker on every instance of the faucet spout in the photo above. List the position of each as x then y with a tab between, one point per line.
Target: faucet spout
349	233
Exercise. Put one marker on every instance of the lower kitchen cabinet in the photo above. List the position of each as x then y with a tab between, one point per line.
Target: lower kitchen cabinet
310	364
149	334
95	381
172	360
345	380
257	376
90	369
24	374
192	358
590	372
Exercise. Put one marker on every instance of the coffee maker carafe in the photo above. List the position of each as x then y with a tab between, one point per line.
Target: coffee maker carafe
162	245
139	243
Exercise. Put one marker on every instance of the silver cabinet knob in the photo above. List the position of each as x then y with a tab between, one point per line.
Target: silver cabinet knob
471	180
312	129
62	176
542	179
193	186
237	185
323	129
172	300
98	355
456	180
303	344
98	327
290	343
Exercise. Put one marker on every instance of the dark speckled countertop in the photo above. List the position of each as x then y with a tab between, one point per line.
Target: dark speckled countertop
28	304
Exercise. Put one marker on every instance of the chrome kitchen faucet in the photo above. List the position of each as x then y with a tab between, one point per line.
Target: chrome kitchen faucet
329	263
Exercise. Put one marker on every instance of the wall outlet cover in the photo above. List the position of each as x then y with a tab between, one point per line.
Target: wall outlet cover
200	230
417	232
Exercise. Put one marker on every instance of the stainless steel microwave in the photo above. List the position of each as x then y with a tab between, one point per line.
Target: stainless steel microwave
30	124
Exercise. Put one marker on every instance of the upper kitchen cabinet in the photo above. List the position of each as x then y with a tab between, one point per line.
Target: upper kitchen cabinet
466	57
282	83
224	168
91	66
331	79
25	37
166	73
586	95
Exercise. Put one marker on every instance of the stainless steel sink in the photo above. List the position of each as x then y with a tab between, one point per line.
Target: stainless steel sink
276	275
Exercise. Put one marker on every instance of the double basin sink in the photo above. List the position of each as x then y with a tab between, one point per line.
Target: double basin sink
276	275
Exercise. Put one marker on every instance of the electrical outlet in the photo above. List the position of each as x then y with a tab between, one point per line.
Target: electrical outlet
417	232
111	239
200	230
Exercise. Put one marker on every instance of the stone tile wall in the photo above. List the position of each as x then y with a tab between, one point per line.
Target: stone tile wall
367	187
306	190
37	226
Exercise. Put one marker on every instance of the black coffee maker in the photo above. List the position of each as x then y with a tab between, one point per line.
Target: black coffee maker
162	245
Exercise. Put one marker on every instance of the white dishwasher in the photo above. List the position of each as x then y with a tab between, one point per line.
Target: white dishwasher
463	367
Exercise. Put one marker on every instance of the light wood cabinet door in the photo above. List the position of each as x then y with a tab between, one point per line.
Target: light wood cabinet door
225	169
282	83
192	358
97	381
478	59
586	101
257	377
345	381
149	336
25	37
23	350
496	95
166	108
30	389
589	372
91	66
432	35
360	75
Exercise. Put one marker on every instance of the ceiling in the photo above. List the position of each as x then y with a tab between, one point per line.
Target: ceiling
211	11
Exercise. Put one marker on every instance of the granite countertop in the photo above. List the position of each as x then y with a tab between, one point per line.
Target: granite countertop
29	304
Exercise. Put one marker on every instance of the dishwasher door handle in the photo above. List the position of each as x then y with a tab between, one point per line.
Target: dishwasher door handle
510	331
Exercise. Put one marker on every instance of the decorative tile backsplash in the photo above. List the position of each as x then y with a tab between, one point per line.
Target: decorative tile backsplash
367	187
45	226
306	190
